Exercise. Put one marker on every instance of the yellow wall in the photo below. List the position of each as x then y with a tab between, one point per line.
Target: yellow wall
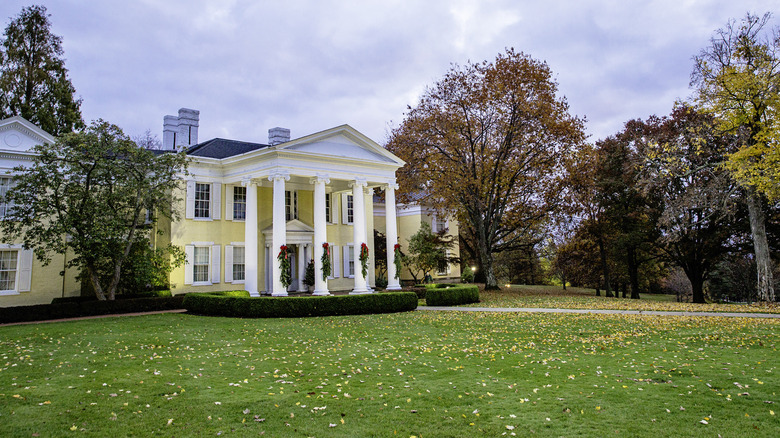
46	284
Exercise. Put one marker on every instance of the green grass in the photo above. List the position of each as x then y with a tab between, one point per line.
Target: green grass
424	374
581	298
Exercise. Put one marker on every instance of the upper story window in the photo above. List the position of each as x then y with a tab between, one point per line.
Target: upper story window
350	209
291	205
239	202
439	224
327	208
202	200
6	184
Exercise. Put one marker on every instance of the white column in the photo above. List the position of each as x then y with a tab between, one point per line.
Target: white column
392	236
302	263
358	233
368	203
320	233
250	238
279	233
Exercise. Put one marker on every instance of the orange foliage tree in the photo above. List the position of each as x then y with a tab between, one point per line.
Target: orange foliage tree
487	142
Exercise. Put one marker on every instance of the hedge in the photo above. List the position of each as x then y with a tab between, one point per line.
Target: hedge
123	296
74	309
451	294
223	304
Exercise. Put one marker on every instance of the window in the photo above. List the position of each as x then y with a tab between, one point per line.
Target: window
239	268
8	265
202	200
444	269
349	261
200	264
350	209
327	208
6	184
291	205
239	203
439	225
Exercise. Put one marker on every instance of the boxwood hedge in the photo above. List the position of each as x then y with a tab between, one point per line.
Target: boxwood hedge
80	307
451	294
239	304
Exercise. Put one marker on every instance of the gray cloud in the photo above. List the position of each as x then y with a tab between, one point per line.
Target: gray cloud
310	65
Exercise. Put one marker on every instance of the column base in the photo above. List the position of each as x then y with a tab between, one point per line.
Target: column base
360	292
279	294
321	293
253	293
394	287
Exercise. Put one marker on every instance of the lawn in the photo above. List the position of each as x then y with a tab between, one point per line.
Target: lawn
581	298
423	374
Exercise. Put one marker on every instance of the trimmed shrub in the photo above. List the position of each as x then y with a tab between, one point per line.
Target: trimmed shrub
467	275
451	295
75	309
295	307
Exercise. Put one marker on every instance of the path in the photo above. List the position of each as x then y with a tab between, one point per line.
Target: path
603	311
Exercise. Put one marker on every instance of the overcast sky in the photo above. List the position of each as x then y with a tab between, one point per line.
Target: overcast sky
310	65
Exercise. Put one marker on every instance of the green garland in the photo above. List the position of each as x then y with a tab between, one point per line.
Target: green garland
397	260
364	259
284	266
326	268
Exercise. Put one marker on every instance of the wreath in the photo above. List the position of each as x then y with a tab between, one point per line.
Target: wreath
284	265
364	259
397	259
326	268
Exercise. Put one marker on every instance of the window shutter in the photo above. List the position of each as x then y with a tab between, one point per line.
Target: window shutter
334	208
335	268
216	205
215	263
228	263
25	270
189	252
229	203
346	260
190	208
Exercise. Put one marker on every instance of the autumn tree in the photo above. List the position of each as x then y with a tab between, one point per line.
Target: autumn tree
428	251
487	142
738	80
88	195
682	155
34	82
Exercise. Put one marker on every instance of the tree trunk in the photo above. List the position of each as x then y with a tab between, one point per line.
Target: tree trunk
633	273
605	269
96	283
697	285
765	285
486	261
598	291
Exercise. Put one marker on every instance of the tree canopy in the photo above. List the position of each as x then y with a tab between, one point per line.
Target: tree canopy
34	82
93	194
738	80
487	141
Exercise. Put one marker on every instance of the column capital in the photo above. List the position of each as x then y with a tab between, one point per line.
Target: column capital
320	179
279	175
247	180
390	185
358	182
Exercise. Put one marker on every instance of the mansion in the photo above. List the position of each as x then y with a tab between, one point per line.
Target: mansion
240	203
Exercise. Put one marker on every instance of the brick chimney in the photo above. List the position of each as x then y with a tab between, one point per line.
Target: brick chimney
278	136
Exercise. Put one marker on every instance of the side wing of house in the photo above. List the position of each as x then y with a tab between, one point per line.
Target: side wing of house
23	279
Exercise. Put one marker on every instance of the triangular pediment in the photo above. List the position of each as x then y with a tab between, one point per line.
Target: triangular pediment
293	226
344	142
19	135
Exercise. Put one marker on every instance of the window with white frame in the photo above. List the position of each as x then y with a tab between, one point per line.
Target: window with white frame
200	264
439	224
239	203
327	208
444	270
202	200
349	261
350	209
9	260
291	204
239	267
6	184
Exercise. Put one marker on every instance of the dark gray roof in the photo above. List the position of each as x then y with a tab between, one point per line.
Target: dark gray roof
222	148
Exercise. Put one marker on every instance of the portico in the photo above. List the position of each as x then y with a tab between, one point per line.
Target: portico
302	194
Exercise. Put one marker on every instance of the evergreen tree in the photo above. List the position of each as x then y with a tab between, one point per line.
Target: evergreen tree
34	82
